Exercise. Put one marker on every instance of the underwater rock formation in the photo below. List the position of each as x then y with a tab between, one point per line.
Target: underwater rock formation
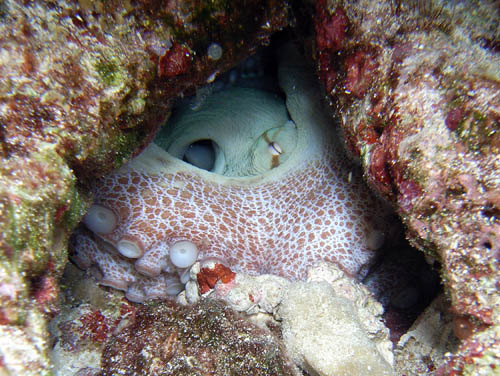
206	338
98	330
431	338
416	85
330	323
324	335
84	84
87	319
478	354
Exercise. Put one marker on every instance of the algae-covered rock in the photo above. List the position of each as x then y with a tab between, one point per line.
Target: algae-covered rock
206	338
426	343
331	324
416	85
478	355
87	318
83	84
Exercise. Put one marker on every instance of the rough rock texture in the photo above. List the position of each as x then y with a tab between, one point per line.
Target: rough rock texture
416	85
331	324
208	338
243	292
83	84
423	348
87	319
99	332
479	354
95	321
322	336
21	347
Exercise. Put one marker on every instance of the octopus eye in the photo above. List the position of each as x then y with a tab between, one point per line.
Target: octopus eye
274	147
222	135
201	154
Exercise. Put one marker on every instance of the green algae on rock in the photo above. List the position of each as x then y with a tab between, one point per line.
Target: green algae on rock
81	88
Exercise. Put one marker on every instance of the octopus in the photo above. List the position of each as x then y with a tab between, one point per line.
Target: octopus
257	179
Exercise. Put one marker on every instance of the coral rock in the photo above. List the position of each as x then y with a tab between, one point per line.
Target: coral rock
432	103
206	338
323	333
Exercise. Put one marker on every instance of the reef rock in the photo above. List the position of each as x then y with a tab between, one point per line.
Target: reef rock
98	332
83	84
330	323
325	337
417	87
88	317
423	348
332	326
479	354
206	338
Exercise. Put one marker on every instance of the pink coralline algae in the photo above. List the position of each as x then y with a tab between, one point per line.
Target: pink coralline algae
292	197
174	62
416	86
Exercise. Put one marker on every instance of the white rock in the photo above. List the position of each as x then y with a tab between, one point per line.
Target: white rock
324	334
369	310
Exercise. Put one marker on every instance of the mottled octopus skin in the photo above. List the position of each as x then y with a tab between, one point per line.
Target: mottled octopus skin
312	207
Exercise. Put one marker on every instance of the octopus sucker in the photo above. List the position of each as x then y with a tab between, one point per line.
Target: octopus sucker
255	178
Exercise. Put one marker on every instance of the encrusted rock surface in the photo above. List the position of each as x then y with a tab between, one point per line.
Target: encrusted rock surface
479	354
88	317
423	348
331	324
98	332
83	85
324	335
416	85
206	338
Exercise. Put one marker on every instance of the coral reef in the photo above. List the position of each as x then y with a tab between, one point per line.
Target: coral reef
22	348
87	319
479	354
206	338
84	84
99	332
279	194
423	348
416	85
330	323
